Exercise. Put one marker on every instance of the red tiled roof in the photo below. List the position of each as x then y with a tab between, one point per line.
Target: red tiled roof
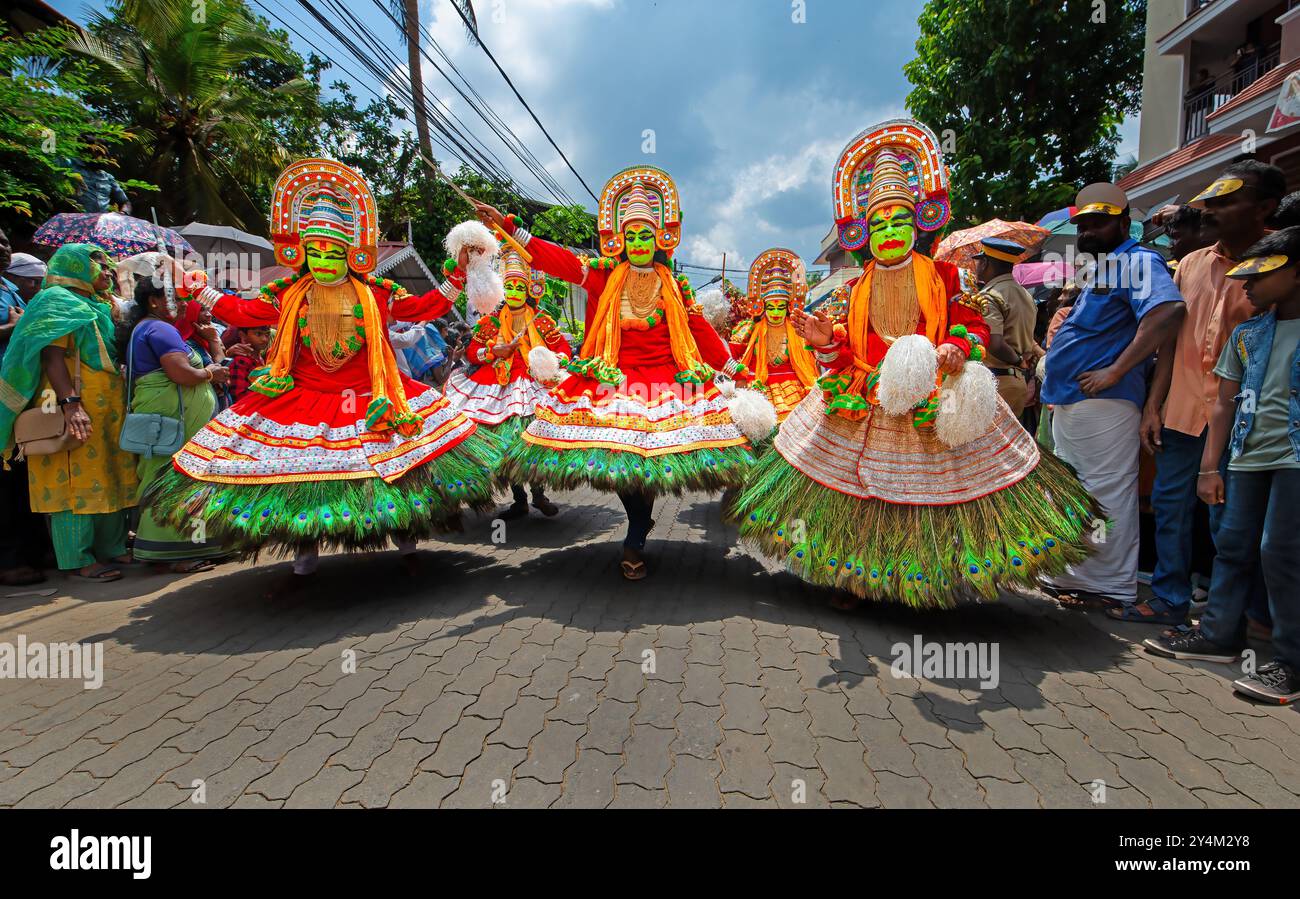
1269	82
1177	159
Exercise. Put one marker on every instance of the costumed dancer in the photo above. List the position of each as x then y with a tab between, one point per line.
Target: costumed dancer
903	476
501	395
639	413
777	358
332	445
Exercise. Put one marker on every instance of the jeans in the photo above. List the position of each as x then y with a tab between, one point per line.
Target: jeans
1258	529
639	508
1174	502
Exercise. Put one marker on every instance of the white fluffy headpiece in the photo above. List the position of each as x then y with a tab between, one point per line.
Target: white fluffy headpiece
716	307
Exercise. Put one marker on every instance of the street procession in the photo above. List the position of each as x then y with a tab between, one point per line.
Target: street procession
622	404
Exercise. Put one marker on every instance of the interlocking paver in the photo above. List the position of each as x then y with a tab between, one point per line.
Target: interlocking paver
529	679
693	782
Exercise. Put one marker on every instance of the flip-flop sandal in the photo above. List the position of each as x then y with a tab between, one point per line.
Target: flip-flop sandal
194	566
104	574
633	571
1147	613
1083	601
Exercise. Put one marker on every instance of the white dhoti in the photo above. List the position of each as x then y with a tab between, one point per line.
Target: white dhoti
1099	437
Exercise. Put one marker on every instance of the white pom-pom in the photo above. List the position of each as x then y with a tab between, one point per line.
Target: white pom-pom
716	307
726	387
753	413
543	364
472	234
967	404
907	374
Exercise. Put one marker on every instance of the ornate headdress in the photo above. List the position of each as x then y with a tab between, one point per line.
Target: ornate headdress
513	266
639	194
777	272
895	162
326	199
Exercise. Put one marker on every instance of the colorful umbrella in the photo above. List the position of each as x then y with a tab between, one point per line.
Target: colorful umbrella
1034	274
959	246
1057	215
119	235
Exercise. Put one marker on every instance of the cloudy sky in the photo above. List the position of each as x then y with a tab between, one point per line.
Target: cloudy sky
748	106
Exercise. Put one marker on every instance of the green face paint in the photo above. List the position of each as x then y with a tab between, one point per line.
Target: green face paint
892	232
776	309
327	261
639	241
516	294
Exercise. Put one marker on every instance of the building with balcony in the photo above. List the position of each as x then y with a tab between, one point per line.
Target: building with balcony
1212	74
843	268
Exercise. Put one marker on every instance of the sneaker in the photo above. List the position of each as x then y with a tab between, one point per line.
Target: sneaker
1189	645
1274	682
544	505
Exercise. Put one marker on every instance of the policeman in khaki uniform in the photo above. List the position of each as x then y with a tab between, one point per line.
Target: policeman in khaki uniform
1010	314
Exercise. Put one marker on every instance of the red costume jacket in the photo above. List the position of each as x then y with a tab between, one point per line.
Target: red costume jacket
961	311
480	348
647	353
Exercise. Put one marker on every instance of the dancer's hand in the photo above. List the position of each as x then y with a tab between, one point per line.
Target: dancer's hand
818	328
489	215
465	255
951	359
503	350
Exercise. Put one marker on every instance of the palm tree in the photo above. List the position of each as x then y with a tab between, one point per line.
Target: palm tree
408	11
205	134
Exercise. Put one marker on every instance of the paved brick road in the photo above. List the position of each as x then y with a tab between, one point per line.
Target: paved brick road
518	670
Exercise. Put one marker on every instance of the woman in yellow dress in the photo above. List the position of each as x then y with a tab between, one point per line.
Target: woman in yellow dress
86	491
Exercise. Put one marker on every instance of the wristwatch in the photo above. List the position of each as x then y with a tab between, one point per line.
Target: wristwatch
70	399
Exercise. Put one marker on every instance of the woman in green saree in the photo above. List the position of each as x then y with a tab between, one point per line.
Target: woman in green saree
169	379
86	491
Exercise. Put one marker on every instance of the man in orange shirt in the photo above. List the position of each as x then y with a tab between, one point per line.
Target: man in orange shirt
1237	207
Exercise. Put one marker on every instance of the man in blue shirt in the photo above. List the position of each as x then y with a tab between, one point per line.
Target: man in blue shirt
1096	373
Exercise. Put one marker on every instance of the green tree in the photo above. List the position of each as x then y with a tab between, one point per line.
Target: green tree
1027	96
571	226
186	79
44	123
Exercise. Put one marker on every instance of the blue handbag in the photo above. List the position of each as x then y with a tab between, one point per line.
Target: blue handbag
149	434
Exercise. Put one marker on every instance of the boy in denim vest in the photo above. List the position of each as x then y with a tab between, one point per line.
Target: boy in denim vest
1258	417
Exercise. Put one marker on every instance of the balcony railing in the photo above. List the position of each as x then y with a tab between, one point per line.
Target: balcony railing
1206	98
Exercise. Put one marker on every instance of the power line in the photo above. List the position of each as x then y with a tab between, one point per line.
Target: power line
484	159
479	40
515	145
484	103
